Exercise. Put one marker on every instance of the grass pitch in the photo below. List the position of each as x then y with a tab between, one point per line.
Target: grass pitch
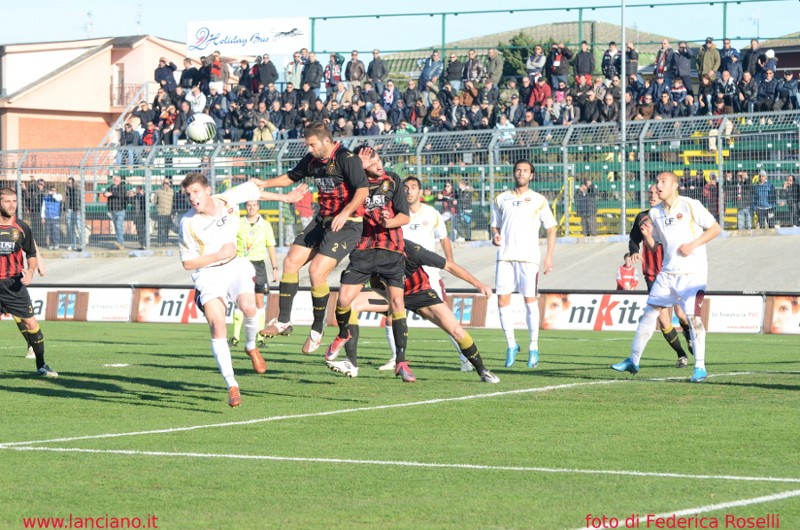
138	426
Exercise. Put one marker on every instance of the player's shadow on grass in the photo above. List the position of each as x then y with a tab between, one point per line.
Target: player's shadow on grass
105	388
766	386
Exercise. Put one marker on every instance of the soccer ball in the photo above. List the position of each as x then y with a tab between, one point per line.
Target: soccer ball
201	129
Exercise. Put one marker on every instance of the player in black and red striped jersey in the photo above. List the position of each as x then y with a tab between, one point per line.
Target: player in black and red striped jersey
331	235
421	298
651	266
378	254
16	248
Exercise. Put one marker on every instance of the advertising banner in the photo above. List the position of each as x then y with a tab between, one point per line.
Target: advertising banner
250	37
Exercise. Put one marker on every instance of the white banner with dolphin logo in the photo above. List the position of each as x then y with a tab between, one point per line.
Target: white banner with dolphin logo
238	38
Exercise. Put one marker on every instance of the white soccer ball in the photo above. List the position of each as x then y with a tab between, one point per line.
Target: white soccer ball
201	129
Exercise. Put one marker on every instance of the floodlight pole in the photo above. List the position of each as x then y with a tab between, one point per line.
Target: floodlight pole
623	81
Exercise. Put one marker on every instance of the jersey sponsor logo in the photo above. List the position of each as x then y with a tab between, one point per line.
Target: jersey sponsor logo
325	184
376	201
414	226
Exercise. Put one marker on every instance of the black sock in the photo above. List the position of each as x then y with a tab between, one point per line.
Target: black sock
351	347
36	340
671	336
319	305
400	333
290	283
470	351
343	320
687	333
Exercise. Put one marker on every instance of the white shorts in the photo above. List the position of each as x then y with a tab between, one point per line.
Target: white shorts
517	276
685	290
225	281
437	284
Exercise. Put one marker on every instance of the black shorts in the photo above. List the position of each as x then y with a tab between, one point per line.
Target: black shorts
386	265
262	280
15	299
415	302
318	235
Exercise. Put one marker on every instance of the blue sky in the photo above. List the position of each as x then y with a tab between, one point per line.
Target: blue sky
51	20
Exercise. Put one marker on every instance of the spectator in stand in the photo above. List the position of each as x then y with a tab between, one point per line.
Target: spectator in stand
313	73
432	68
116	197
786	90
515	111
525	90
377	72
557	64
162	101
264	131
718	111
612	62
164	74
379	115
632	60
446	201
453	73
609	110
682	65
726	56
615	89
635	87
293	72
764	201
767	92
245	75
166	123
750	60
706	95
145	113
190	76
583	63
390	96
290	95
267	72
269	95
726	86
535	65
580	89
74	217
355	115
342	128
128	139
646	109
768	61
494	66
320	113
231	124
631	107
332	74
506	137
303	116
708	59
541	91
370	128
51	213
262	111
219	72
197	100
746	93
306	94
473	69
181	122
735	67
411	93
678	92
627	275
711	195
664	108
586	207
162	199
138	205
590	113
178	96
32	205
688	108
743	195
462	222
355	73
399	113
791	190
663	64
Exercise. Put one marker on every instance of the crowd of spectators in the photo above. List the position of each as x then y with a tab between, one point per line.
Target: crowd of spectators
561	87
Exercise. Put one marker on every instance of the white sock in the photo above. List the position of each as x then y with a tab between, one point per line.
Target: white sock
222	353
698	332
507	323
647	325
250	331
532	319
390	340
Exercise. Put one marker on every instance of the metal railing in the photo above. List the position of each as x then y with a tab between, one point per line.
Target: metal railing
562	157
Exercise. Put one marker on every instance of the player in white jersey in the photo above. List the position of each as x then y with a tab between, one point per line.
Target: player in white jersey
425	228
208	247
683	226
517	216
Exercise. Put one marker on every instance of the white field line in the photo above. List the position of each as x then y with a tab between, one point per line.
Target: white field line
352	410
401	463
721	506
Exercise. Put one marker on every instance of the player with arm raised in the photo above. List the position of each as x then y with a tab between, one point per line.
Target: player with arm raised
683	227
517	216
330	237
208	247
425	227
